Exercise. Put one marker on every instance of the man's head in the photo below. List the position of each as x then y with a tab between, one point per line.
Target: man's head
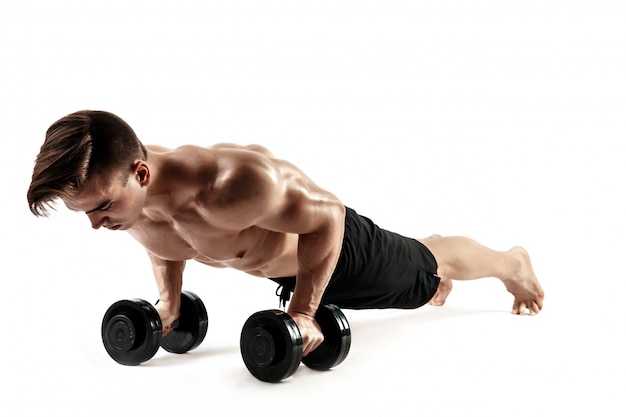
80	148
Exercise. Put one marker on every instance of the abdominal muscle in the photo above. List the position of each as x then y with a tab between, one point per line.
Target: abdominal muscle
256	251
273	255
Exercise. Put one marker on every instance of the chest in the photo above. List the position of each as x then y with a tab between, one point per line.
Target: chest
193	240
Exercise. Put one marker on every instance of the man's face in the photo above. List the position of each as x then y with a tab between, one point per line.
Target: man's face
110	203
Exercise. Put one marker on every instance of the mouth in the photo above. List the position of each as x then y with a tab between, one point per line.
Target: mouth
116	227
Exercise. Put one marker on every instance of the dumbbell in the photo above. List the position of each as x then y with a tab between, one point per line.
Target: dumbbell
132	329
271	343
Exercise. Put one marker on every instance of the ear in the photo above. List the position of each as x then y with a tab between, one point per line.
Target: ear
141	171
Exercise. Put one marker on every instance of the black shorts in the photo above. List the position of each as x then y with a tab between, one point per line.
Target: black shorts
377	269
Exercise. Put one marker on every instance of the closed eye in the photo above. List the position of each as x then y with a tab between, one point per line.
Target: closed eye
102	207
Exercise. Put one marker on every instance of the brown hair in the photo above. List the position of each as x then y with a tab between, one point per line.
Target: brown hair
77	146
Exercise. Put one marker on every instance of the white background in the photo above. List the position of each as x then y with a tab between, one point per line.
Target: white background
499	120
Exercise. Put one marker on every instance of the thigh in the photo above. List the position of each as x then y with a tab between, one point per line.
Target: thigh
381	269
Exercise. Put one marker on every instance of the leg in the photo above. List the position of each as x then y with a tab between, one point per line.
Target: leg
460	258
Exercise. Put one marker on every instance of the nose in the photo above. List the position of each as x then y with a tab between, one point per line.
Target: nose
97	222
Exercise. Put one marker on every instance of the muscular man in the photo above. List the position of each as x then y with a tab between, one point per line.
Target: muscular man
240	207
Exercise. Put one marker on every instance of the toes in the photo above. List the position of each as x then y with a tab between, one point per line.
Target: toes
523	309
520	309
535	309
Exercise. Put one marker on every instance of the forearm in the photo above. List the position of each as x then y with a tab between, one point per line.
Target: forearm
168	276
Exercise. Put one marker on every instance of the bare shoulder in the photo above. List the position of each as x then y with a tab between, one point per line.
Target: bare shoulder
230	172
157	148
235	184
251	148
244	172
220	151
225	165
236	187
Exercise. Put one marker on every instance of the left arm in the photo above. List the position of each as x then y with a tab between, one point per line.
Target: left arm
255	190
318	252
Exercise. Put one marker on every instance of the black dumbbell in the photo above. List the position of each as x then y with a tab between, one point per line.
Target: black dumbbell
271	343
132	329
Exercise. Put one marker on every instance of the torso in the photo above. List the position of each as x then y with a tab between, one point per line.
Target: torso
255	251
185	229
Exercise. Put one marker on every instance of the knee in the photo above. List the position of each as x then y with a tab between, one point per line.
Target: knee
444	271
426	241
433	244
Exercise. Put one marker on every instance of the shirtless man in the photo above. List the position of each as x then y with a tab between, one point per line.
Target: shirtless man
240	207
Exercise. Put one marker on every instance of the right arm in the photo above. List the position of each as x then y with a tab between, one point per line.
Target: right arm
169	279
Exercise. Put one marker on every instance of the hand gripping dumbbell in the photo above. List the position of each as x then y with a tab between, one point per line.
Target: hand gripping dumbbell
132	329
271	343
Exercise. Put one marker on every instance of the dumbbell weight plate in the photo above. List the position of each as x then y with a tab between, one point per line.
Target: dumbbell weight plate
131	331
192	325
271	345
337	339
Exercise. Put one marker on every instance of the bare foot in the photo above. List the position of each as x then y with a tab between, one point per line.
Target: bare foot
439	299
524	285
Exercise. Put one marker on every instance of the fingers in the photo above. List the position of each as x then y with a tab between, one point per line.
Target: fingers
310	331
169	319
312	337
309	344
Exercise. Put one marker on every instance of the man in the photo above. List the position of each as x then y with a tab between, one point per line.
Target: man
240	207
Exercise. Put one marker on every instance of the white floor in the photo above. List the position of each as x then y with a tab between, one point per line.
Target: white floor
469	358
502	121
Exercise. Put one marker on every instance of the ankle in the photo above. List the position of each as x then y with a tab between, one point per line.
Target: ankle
513	264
